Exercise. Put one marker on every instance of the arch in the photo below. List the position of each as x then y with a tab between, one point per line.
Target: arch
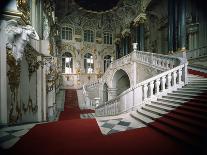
120	81
105	93
67	63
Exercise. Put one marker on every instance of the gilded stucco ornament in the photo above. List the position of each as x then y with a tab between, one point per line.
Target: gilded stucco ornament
18	36
13	75
31	58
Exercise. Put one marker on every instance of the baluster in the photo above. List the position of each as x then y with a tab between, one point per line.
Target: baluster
163	80
151	88
169	81
179	75
145	91
174	77
157	86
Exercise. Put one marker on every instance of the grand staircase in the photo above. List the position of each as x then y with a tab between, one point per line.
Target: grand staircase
181	114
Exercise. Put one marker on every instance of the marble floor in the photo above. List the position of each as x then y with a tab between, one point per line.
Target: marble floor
114	124
10	135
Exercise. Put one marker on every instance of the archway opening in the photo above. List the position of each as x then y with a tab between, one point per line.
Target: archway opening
121	81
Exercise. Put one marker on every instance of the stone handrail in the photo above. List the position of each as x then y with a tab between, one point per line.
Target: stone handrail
149	89
197	53
159	61
193	54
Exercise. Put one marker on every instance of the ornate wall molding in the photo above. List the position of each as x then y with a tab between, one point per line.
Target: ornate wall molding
13	75
31	58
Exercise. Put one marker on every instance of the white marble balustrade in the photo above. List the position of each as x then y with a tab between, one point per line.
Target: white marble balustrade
145	91
197	53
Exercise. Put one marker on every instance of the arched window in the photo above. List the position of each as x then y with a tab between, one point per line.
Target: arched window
67	63
107	61
66	33
88	63
107	38
88	36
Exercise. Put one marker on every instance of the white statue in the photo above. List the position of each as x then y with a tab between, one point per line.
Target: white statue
18	36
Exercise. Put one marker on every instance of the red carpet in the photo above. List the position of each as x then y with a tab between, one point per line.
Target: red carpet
74	136
194	72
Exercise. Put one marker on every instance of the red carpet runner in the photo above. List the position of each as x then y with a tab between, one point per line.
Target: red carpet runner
74	136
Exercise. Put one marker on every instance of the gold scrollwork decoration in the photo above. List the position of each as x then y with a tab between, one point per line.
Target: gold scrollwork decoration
23	7
13	75
31	58
30	107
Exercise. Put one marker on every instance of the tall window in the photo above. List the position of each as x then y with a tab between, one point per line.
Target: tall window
88	63
67	63
66	33
107	61
88	36
107	38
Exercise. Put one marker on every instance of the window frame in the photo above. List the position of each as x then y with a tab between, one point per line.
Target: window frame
64	31
88	37
108	38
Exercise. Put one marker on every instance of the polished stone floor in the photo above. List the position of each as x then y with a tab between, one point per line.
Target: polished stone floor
119	123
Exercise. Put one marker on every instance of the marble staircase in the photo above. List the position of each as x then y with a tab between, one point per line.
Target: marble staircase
181	114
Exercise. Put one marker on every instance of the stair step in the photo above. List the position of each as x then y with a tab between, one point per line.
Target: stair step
196	104
194	109
191	114
185	98
193	96
183	94
174	105
148	114
154	110
165	108
168	100
197	92
180	126
141	118
191	88
185	119
176	98
174	133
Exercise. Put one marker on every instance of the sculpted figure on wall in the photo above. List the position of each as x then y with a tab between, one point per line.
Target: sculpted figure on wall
18	36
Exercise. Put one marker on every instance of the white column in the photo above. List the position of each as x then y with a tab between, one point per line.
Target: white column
44	94
3	77
39	91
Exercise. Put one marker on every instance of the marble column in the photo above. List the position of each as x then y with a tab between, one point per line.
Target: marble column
139	23
182	21
3	73
170	25
117	43
141	30
127	44
39	91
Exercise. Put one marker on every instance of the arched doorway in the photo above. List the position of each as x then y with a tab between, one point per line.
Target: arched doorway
105	93
120	81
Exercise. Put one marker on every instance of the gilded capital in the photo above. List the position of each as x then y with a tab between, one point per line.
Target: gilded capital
140	19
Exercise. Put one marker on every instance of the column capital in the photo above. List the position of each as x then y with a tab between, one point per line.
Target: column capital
125	32
140	19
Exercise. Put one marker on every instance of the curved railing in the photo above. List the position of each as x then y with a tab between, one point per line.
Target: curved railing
197	53
193	54
172	78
